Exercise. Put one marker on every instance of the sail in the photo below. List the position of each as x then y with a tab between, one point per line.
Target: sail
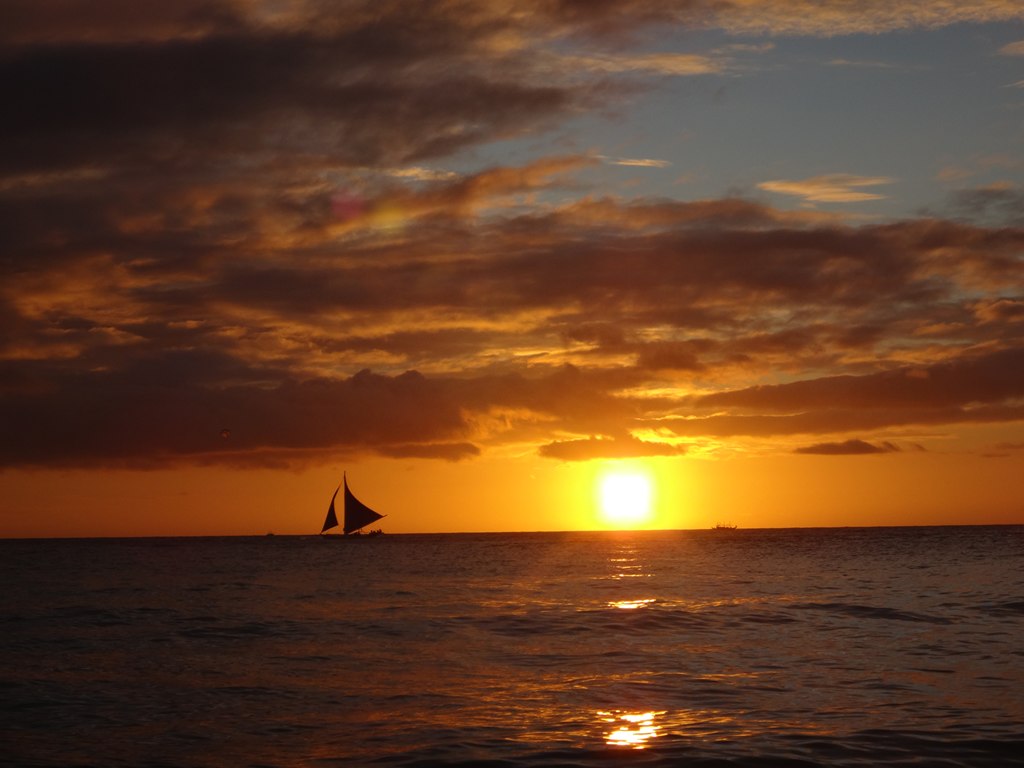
357	514
331	520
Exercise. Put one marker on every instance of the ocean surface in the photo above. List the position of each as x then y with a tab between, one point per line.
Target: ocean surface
801	647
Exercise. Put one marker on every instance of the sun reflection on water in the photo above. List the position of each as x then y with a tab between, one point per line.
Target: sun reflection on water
630	729
631	605
625	564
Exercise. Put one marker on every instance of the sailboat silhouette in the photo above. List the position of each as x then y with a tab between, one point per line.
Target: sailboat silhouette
356	514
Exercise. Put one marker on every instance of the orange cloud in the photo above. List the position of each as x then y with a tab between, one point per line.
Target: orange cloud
455	196
837	17
637	162
678	64
832	188
607	448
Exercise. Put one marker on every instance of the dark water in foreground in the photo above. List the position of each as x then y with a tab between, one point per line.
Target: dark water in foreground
839	647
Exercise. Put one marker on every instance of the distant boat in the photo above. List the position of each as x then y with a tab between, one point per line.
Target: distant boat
357	515
723	527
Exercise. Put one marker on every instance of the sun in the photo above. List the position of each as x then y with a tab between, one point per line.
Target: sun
625	498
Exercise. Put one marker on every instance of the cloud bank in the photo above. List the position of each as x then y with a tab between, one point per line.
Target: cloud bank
239	216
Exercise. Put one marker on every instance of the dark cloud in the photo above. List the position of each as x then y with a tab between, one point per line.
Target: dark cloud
848	448
1000	310
670	355
997	205
965	382
171	409
837	420
184	103
978	388
168	410
62	21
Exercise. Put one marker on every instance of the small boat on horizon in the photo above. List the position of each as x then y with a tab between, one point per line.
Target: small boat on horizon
724	527
356	515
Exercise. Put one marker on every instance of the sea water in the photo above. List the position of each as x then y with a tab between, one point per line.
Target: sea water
838	647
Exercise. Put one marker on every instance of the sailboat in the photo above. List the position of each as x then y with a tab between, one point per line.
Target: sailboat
357	515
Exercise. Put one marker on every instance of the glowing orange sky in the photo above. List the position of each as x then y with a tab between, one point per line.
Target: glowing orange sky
771	254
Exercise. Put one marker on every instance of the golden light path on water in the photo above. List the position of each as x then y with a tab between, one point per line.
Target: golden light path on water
626	565
632	729
631	605
636	727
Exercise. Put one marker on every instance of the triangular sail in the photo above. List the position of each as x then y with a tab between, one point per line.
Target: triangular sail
332	519
357	514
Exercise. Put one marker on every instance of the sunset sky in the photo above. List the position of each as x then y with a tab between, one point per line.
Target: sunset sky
480	255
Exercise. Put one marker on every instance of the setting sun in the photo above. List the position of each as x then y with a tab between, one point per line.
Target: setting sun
625	498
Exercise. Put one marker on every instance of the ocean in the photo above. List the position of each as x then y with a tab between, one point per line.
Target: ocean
793	647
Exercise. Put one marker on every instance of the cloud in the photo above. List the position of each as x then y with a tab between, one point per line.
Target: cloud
833	421
953	173
1005	311
823	18
962	382
832	188
836	17
1013	49
636	162
677	64
458	196
170	410
112	85
491	25
234	216
979	388
1000	204
179	103
102	21
670	355
607	448
421	174
848	448
861	64
590	318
